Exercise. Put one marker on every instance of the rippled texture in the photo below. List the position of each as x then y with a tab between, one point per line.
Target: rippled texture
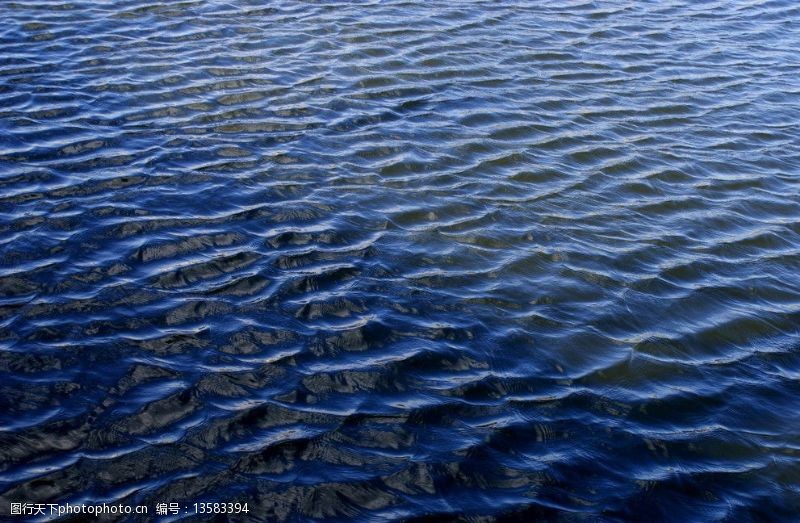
389	260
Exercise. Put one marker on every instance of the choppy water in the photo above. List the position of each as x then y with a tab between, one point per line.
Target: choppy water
396	260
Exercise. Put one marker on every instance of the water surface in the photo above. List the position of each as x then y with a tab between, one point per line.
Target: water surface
399	260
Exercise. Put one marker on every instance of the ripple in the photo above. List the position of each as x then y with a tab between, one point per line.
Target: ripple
372	261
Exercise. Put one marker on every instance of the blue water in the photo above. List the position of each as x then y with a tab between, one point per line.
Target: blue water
395	260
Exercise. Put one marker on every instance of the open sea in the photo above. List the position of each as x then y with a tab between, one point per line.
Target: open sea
400	261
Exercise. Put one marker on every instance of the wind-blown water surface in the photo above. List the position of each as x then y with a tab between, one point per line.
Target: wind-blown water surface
395	260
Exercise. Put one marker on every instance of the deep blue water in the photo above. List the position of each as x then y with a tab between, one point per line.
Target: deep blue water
394	260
